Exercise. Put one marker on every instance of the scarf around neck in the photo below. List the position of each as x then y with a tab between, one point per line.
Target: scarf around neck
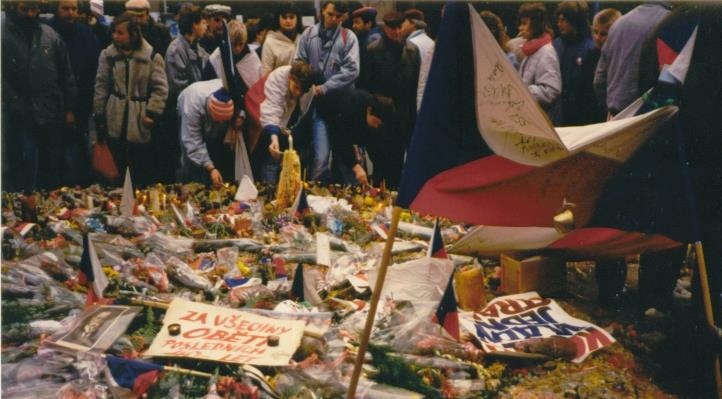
533	45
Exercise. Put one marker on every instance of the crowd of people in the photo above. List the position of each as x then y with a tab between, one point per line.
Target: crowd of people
167	109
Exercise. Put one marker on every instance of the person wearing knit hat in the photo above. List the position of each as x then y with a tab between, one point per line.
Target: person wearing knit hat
205	109
156	34
413	29
220	106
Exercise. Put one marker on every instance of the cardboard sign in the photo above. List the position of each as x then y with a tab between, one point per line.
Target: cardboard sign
511	319
225	335
96	329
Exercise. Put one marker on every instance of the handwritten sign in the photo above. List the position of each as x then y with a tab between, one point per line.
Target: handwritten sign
226	335
515	127
510	319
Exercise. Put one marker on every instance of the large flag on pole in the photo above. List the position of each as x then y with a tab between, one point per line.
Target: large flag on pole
490	150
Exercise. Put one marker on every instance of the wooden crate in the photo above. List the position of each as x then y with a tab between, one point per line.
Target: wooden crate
542	274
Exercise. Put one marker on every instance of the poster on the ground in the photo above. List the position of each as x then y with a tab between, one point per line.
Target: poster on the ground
225	335
507	322
96	329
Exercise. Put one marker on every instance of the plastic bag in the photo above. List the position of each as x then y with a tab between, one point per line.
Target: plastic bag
103	162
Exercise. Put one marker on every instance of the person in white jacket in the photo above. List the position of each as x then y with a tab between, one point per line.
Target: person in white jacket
283	90
205	110
540	69
414	29
280	45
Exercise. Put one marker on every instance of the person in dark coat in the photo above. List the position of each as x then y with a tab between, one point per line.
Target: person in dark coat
83	49
393	73
700	125
572	46
591	110
351	114
156	34
38	99
89	15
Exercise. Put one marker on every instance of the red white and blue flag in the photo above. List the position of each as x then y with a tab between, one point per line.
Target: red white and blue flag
489	150
91	273
134	375
447	314
436	243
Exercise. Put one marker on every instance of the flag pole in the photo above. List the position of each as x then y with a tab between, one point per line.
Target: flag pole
704	283
375	296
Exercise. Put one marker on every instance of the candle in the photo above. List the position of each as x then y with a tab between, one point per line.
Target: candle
154	201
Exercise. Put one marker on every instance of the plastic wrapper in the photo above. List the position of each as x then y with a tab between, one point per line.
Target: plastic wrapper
409	329
243	295
54	265
347	265
180	272
155	269
130	226
38	377
164	243
227	257
322	205
243	244
296	236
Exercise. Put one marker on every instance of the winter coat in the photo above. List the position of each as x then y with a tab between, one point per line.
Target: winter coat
278	105
540	72
83	49
249	68
571	53
278	50
197	128
344	111
137	84
426	47
337	58
37	79
184	64
617	74
158	36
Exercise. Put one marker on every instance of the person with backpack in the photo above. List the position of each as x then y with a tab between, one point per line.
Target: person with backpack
334	51
131	89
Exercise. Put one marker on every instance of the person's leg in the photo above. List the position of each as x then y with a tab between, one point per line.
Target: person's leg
321	147
611	274
658	273
22	157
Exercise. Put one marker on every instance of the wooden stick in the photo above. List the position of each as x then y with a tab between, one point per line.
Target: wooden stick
187	371
702	269
374	302
150	304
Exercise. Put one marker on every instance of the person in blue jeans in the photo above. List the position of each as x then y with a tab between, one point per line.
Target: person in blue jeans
334	51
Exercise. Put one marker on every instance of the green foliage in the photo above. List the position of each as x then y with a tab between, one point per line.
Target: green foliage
397	372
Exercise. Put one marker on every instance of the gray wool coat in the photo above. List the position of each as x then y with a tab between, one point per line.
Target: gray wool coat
138	83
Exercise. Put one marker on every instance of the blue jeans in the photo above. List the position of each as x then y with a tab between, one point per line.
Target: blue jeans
321	150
